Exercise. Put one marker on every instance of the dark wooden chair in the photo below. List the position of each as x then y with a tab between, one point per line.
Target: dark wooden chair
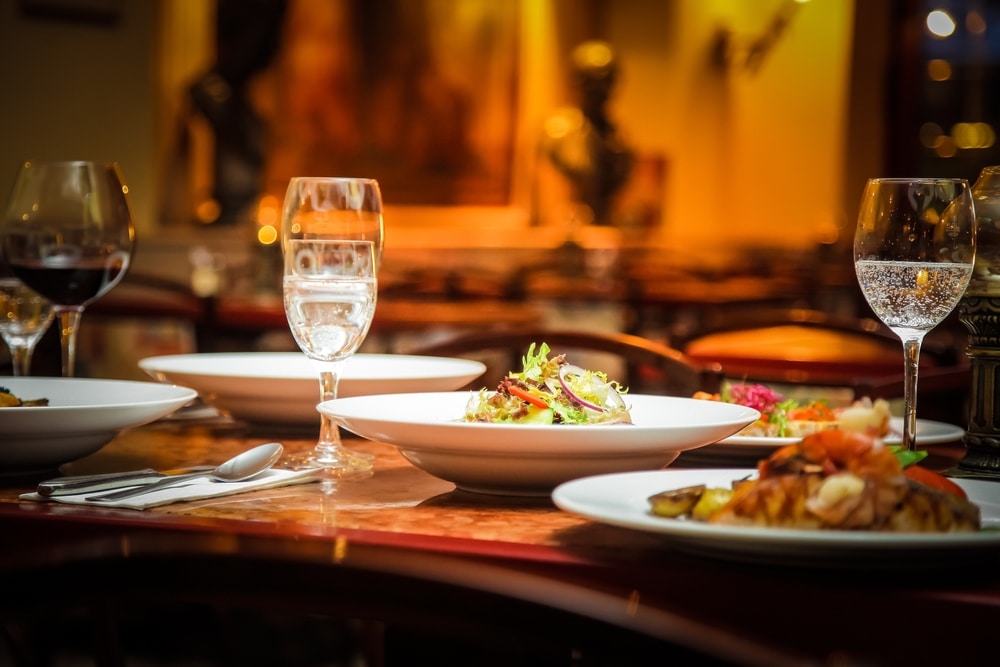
803	346
806	349
645	366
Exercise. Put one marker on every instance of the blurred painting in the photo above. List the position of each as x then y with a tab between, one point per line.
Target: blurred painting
419	94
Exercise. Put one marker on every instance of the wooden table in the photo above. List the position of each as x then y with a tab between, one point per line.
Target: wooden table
447	577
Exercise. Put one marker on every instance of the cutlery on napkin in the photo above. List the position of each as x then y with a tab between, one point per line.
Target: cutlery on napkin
74	484
195	489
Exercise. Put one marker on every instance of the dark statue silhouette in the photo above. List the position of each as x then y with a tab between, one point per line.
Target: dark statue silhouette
582	143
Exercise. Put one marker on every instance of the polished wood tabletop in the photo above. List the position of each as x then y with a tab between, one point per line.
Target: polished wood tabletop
405	545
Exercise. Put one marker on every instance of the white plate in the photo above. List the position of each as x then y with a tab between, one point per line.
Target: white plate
283	387
742	447
532	459
82	416
622	500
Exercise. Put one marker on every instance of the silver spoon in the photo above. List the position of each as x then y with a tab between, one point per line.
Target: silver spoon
240	467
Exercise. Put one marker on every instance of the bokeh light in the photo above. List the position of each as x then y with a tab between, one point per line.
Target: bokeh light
940	23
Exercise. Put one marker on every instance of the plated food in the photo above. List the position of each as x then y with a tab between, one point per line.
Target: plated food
550	391
547	423
82	416
623	500
831	480
531	459
783	417
835	498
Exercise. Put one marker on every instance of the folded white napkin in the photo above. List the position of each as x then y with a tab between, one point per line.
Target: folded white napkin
194	489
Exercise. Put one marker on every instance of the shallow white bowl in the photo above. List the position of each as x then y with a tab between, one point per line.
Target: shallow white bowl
523	459
283	387
82	416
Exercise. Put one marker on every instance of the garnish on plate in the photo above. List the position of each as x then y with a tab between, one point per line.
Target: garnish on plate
782	417
550	391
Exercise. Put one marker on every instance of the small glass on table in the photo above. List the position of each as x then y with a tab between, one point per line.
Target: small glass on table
25	316
914	249
330	292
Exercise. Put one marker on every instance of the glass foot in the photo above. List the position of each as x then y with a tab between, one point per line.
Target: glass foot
338	462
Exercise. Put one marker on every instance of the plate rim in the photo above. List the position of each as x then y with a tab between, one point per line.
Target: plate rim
180	392
763	441
147	364
516	428
441	436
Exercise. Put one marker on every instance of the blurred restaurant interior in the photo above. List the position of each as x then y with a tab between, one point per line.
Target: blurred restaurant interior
733	138
678	170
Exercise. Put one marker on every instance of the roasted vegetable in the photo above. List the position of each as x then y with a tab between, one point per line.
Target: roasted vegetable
697	502
9	400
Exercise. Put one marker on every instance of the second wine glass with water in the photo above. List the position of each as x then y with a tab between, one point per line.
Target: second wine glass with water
25	316
914	249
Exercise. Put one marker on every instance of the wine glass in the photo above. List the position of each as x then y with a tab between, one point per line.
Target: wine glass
337	208
25	315
68	234
914	249
329	295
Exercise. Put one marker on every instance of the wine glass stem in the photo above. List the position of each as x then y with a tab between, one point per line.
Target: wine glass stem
329	433
20	355
69	322
911	358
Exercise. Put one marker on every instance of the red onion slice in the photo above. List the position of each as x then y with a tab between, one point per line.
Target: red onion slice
570	369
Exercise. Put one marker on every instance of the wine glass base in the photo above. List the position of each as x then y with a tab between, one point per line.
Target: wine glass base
337	462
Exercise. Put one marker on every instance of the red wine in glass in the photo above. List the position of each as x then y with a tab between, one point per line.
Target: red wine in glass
69	285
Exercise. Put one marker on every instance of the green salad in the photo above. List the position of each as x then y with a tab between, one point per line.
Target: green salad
550	391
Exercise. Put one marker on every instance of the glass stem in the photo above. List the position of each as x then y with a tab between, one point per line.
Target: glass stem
20	355
69	322
911	359
329	432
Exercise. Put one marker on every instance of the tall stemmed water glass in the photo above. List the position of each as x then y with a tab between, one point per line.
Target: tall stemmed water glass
68	235
914	249
329	208
330	293
25	316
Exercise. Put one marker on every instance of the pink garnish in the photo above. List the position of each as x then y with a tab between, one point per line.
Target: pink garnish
755	396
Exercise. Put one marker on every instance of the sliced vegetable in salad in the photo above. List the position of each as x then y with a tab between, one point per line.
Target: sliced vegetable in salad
550	391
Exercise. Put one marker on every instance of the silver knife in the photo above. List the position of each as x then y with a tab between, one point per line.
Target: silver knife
70	485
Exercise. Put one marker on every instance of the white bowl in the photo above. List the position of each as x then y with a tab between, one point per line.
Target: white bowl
283	387
82	416
522	459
